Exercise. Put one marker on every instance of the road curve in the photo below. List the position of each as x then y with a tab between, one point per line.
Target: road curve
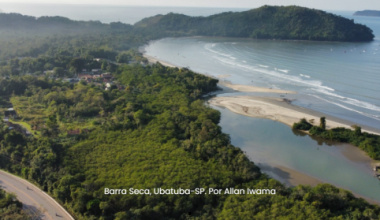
33	199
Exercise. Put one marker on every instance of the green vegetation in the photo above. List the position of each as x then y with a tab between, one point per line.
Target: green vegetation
149	129
302	125
370	143
302	202
267	22
10	208
154	133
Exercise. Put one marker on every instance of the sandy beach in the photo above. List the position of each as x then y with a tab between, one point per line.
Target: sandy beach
278	109
155	60
247	88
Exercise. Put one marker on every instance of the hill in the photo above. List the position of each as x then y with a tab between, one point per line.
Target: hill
267	22
372	13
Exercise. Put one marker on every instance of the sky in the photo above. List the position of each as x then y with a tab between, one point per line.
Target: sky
344	5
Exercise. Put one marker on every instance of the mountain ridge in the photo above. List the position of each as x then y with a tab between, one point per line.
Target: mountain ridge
266	22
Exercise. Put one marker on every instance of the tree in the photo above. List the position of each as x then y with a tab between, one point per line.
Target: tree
77	64
358	130
58	72
123	57
323	123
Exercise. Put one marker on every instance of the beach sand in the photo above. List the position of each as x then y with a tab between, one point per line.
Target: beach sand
247	88
278	109
155	60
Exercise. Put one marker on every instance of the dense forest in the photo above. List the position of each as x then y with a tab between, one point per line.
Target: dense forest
134	125
267	22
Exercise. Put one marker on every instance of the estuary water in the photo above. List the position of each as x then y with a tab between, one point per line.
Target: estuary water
273	146
338	79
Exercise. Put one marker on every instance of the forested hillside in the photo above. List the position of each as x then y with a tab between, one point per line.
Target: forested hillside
267	22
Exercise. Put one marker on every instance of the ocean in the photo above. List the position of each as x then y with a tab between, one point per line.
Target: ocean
335	78
339	79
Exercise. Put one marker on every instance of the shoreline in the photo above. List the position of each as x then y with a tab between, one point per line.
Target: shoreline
288	118
155	60
235	87
281	110
247	88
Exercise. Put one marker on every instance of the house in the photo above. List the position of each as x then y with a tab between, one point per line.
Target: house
96	71
107	76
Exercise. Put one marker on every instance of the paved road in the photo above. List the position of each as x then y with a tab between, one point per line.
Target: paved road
34	200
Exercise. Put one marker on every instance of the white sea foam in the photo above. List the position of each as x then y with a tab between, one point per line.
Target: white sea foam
376	117
275	74
284	71
351	101
306	76
263	66
210	46
301	80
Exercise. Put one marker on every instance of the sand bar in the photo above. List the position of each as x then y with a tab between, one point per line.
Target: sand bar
247	88
278	109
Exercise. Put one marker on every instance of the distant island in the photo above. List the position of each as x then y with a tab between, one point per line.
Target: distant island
372	13
267	22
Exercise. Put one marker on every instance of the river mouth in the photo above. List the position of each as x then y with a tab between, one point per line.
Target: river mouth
298	159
